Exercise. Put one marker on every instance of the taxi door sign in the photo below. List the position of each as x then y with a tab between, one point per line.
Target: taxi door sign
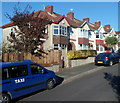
20	80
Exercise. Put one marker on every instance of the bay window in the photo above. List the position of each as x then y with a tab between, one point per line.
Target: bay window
56	30
60	30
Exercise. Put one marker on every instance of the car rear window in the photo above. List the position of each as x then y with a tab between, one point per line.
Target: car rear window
103	54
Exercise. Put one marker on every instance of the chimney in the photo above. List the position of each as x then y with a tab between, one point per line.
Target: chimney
107	26
70	15
98	23
86	19
49	9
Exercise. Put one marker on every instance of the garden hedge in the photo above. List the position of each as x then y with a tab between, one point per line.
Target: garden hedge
81	54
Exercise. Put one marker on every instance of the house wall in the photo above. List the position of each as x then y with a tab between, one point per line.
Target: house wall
83	38
5	33
92	39
73	37
57	39
49	42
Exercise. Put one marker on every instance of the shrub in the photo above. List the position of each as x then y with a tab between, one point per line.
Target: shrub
92	53
81	54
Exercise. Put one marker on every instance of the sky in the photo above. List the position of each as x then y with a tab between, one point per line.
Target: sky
106	12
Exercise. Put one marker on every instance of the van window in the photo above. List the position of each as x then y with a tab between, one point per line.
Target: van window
5	73
0	73
18	71
35	69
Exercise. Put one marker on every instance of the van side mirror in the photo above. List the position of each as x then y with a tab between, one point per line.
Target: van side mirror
43	71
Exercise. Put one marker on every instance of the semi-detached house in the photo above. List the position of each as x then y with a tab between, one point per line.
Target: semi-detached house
98	36
118	36
67	32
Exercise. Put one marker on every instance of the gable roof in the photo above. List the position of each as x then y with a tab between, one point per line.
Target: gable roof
117	32
93	26
54	17
7	25
107	30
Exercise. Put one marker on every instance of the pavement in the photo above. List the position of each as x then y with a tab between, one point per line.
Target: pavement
70	74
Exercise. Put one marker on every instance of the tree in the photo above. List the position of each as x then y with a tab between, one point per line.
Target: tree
28	31
111	41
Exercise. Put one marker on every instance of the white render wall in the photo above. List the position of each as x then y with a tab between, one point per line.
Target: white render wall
93	38
5	33
48	44
74	37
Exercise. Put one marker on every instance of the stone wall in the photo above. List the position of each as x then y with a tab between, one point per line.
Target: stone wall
79	62
55	68
71	63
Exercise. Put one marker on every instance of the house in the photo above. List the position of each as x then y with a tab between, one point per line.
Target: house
97	38
109	32
78	35
68	33
118	36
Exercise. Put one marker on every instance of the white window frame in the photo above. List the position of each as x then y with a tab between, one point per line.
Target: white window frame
101	48
57	28
63	30
56	46
63	46
83	34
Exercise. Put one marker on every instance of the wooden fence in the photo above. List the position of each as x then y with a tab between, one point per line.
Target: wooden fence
51	57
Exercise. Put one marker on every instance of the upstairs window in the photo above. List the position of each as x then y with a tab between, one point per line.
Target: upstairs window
101	36
56	30
97	35
70	31
63	30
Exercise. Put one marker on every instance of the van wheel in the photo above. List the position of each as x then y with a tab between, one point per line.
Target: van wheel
50	84
111	63
5	98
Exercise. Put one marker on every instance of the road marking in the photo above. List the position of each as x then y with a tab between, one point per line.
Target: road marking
82	74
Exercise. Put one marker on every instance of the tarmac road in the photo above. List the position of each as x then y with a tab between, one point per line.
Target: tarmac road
84	83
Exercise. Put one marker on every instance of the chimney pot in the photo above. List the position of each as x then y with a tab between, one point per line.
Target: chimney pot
107	26
98	23
49	9
70	15
86	19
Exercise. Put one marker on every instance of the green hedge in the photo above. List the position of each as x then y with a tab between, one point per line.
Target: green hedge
81	54
92	53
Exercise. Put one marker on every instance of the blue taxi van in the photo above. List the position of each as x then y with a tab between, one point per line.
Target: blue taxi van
24	77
